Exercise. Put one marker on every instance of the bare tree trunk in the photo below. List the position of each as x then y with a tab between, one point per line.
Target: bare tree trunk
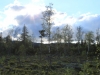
88	50
78	47
65	50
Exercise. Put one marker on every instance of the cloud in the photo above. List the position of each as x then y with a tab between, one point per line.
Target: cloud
16	14
90	22
61	19
33	23
17	8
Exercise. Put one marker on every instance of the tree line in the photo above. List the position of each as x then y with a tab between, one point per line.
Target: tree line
62	38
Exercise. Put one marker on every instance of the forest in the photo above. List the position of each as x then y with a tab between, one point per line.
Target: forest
67	52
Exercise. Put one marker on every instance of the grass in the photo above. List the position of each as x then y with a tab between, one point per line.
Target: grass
31	65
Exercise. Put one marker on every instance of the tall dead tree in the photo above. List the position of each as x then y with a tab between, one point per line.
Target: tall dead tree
47	21
47	25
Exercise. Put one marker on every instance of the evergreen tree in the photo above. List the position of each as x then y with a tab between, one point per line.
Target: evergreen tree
24	35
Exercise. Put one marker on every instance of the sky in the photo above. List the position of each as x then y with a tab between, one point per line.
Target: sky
15	13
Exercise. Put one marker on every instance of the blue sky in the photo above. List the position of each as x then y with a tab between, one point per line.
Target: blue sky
68	6
75	6
16	13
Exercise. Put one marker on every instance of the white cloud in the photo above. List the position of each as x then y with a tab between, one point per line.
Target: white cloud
89	22
87	16
62	19
10	13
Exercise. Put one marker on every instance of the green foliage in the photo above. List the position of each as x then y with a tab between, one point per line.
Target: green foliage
83	53
70	71
85	69
93	67
22	50
31	67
